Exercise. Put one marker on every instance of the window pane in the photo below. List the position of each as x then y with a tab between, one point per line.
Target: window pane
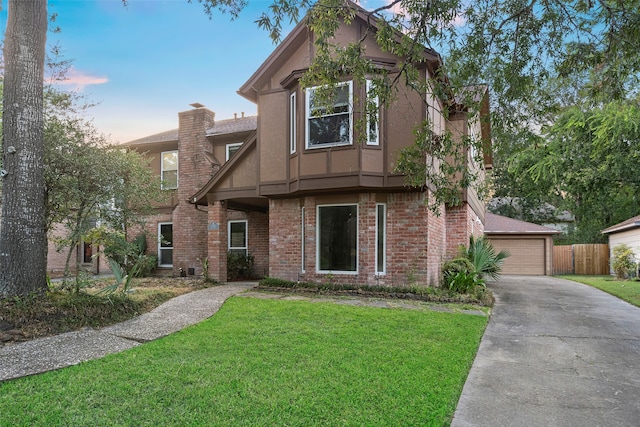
232	149
165	257
372	115
169	179
166	234
338	231
329	130
165	246
238	235
170	161
329	124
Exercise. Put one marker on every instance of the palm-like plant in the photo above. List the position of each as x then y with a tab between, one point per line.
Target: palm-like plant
484	258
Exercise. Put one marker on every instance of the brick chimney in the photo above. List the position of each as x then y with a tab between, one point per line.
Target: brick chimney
194	170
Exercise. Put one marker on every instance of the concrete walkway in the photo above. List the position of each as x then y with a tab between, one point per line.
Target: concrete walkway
555	353
49	353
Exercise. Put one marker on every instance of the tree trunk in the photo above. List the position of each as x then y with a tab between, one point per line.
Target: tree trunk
23	238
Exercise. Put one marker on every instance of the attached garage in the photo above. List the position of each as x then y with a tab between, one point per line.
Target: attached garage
530	245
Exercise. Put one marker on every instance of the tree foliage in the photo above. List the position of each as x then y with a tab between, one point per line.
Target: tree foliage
587	163
88	179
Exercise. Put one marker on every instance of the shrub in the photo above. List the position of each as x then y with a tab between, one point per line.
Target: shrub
130	255
239	265
624	262
483	256
459	275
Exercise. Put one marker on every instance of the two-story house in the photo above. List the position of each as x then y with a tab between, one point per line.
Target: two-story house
297	188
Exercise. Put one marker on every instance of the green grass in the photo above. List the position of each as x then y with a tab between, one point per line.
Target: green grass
627	290
264	363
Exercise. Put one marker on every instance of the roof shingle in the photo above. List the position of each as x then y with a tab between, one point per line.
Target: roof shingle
498	224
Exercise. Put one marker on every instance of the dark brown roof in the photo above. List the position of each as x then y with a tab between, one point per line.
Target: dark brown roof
623	226
498	224
220	127
240	124
166	136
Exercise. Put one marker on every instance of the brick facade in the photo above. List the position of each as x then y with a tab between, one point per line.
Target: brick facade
415	240
462	222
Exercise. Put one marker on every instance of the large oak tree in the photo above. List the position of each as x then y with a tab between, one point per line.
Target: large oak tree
23	239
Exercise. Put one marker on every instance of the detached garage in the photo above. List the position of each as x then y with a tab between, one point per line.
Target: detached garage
530	245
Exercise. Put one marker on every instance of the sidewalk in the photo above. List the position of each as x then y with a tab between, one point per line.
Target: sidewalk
59	351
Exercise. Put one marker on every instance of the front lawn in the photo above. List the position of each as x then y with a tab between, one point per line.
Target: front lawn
264	363
627	290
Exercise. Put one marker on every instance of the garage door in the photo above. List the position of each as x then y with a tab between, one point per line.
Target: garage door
526	255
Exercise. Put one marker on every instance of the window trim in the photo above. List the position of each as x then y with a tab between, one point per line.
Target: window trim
246	235
309	116
384	239
230	146
293	124
160	248
162	170
318	231
375	101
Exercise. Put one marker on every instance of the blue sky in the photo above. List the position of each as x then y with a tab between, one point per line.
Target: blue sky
145	62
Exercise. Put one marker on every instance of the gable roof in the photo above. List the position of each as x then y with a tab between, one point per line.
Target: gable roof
623	226
225	170
498	224
297	37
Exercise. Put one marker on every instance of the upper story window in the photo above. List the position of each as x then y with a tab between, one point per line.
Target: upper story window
232	148
293	128
169	169
373	105
329	125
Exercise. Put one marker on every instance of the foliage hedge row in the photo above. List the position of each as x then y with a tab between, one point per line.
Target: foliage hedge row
480	296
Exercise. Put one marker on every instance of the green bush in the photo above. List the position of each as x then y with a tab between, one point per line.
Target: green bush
239	265
624	262
459	275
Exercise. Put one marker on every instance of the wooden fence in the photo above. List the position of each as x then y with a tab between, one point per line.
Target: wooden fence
589	260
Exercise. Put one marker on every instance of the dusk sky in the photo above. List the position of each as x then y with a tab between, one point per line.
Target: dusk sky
146	62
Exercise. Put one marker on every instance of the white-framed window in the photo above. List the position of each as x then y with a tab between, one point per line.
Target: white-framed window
169	169
328	127
293	127
237	236
232	148
381	238
373	105
165	244
302	242
337	239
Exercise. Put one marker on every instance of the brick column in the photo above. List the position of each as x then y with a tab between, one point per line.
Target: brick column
217	241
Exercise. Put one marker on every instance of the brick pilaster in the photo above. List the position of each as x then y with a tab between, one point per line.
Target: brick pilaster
217	241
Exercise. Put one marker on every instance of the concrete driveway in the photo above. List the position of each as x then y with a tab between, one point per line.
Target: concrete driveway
555	353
